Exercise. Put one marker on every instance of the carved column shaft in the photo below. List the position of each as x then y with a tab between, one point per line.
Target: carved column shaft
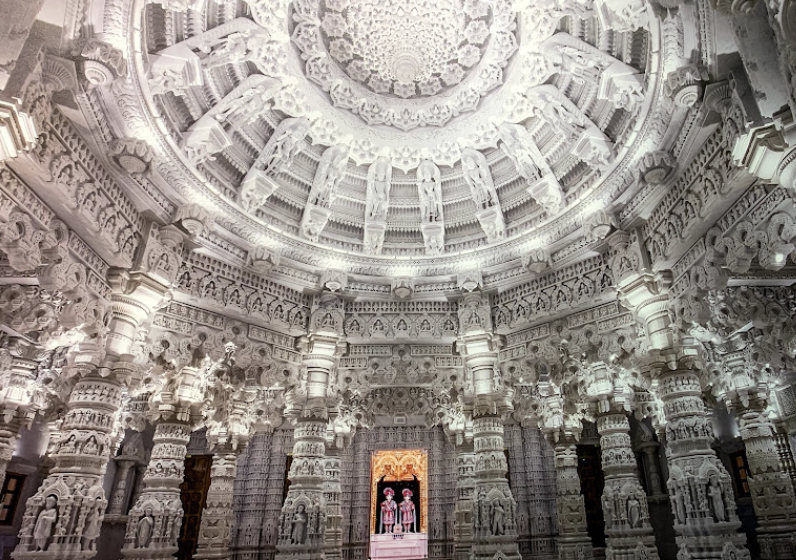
216	529
119	493
465	488
573	540
302	523
332	491
699	486
772	492
63	518
155	519
494	526
627	524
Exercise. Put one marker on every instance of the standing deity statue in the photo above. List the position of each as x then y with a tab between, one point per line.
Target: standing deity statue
225	50
498	518
284	145
716	499
298	526
516	140
634	512
388	509
43	529
143	531
428	183
378	196
330	172
251	102
476	174
91	531
408	518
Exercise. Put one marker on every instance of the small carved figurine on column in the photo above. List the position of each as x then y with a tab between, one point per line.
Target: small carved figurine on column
298	531
45	521
143	534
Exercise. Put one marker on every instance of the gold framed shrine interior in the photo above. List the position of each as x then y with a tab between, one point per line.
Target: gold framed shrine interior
398	465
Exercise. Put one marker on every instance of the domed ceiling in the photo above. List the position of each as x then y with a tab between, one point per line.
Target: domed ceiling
398	133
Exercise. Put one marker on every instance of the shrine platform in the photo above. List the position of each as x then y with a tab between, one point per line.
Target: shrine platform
400	546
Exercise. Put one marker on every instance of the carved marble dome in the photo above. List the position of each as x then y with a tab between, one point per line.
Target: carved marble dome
311	126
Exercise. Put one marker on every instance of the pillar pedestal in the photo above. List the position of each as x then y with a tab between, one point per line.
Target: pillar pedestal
215	530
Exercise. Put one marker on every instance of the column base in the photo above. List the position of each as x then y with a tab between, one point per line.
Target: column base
627	547
777	546
149	553
575	548
299	552
507	547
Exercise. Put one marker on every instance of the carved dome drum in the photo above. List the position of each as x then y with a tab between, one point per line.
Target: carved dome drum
400	136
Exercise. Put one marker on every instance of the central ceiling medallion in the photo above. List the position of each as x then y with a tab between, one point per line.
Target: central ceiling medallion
406	48
405	63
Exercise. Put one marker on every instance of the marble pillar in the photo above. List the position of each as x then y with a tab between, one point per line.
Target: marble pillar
302	523
332	490
494	515
627	523
154	521
465	488
769	482
700	489
216	529
573	538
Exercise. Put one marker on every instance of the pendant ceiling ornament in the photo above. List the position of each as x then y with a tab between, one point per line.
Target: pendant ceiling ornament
412	128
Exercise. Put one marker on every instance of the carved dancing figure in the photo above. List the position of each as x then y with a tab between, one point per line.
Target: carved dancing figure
428	183
388	509
43	529
298	526
408	519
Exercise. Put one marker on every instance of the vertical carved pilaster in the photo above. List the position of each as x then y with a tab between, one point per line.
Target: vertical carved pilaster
332	491
573	540
216	528
627	523
772	492
302	524
155	519
699	486
494	527
465	490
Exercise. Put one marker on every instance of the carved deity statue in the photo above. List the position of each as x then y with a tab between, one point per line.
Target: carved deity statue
43	529
225	50
408	518
378	197
298	526
498	521
388	509
716	499
428	184
251	101
476	174
328	175
284	145
516	140
633	512
143	531
91	531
